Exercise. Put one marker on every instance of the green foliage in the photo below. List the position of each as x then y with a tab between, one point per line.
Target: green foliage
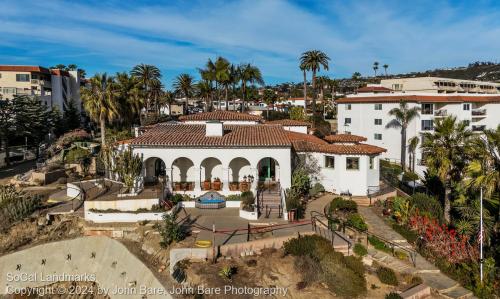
176	198
248	200
321	126
409	176
378	244
227	272
393	295
316	189
402	209
390	172
301	181
355	220
15	205
73	136
233	197
128	167
276	115
76	155
297	113
343	205
71	116
170	231
409	235
360	250
293	200
113	135
387	276
427	205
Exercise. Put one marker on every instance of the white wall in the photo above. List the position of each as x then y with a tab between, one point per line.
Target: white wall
298	129
120	204
339	179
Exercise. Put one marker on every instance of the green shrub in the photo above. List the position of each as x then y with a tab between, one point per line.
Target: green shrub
409	176
355	220
301	181
293	200
401	255
355	264
387	276
393	295
341	280
233	197
427	205
378	244
176	198
310	245
310	269
76	154
248	200
316	189
170	231
360	250
343	205
409	235
16	205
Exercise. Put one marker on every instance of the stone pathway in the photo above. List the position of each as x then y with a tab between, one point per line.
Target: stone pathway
431	275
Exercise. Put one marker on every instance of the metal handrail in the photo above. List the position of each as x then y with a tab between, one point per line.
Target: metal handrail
315	218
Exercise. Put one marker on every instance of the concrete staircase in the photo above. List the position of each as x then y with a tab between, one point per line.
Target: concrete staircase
271	204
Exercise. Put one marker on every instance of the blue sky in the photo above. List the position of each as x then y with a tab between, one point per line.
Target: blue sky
179	36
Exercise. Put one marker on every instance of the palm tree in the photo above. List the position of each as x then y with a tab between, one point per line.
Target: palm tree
375	67
403	116
269	98
385	66
204	91
313	60
484	169
447	148
166	99
99	100
234	78
249	74
130	101
156	93
184	85
356	76
412	147
208	74
146	74
223	76
304	70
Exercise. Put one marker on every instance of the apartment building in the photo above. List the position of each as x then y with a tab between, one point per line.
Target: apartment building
368	114
54	87
440	85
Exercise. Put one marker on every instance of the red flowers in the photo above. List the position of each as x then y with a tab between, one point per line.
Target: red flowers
442	241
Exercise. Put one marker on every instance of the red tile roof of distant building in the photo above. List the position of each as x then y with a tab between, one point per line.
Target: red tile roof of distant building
374	89
289	123
58	72
24	68
422	98
220	115
344	138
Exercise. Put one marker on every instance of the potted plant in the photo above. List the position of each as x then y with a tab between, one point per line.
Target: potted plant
206	185
177	186
244	186
216	184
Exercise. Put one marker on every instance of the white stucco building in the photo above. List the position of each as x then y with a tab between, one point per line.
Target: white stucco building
232	152
368	114
440	85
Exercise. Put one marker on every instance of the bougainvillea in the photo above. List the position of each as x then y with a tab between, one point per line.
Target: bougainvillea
442	241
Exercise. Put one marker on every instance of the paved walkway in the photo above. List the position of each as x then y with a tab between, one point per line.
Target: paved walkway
429	273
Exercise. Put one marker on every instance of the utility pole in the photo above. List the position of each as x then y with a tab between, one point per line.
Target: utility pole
481	237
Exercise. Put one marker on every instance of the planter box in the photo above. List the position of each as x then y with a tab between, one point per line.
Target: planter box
249	215
188	204
48	177
233	203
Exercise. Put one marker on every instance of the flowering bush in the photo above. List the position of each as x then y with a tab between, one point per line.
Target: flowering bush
70	137
442	241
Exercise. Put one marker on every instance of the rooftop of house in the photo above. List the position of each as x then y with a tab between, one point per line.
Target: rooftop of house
220	115
244	136
436	98
341	138
24	68
289	123
373	89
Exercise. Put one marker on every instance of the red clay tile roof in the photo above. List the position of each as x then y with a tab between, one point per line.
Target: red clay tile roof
310	143
220	115
193	135
344	138
24	68
289	123
374	89
422	99
58	72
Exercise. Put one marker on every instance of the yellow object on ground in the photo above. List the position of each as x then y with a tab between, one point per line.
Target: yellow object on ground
203	244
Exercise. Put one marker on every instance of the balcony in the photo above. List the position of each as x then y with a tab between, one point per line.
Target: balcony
478	112
440	113
480	128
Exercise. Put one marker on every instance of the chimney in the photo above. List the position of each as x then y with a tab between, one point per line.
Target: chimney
214	129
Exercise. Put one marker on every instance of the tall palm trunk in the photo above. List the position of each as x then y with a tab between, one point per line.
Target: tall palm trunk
315	94
102	122
447	203
169	108
243	90
403	148
305	90
227	100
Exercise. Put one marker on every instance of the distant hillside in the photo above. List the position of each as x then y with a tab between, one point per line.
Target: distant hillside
483	71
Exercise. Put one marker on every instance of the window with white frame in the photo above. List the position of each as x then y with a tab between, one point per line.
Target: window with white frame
352	163
378	121
427	125
329	162
378	106
466	106
378	136
427	108
22	77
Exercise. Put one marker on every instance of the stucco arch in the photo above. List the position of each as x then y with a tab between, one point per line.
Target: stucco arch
183	170
211	168
239	167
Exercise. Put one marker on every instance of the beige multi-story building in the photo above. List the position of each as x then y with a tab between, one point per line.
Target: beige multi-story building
440	85
53	87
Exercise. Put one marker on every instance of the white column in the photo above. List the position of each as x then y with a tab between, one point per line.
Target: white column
225	178
197	179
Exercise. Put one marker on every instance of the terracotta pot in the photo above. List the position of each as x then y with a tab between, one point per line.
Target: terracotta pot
216	185
206	185
233	186
177	186
244	186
